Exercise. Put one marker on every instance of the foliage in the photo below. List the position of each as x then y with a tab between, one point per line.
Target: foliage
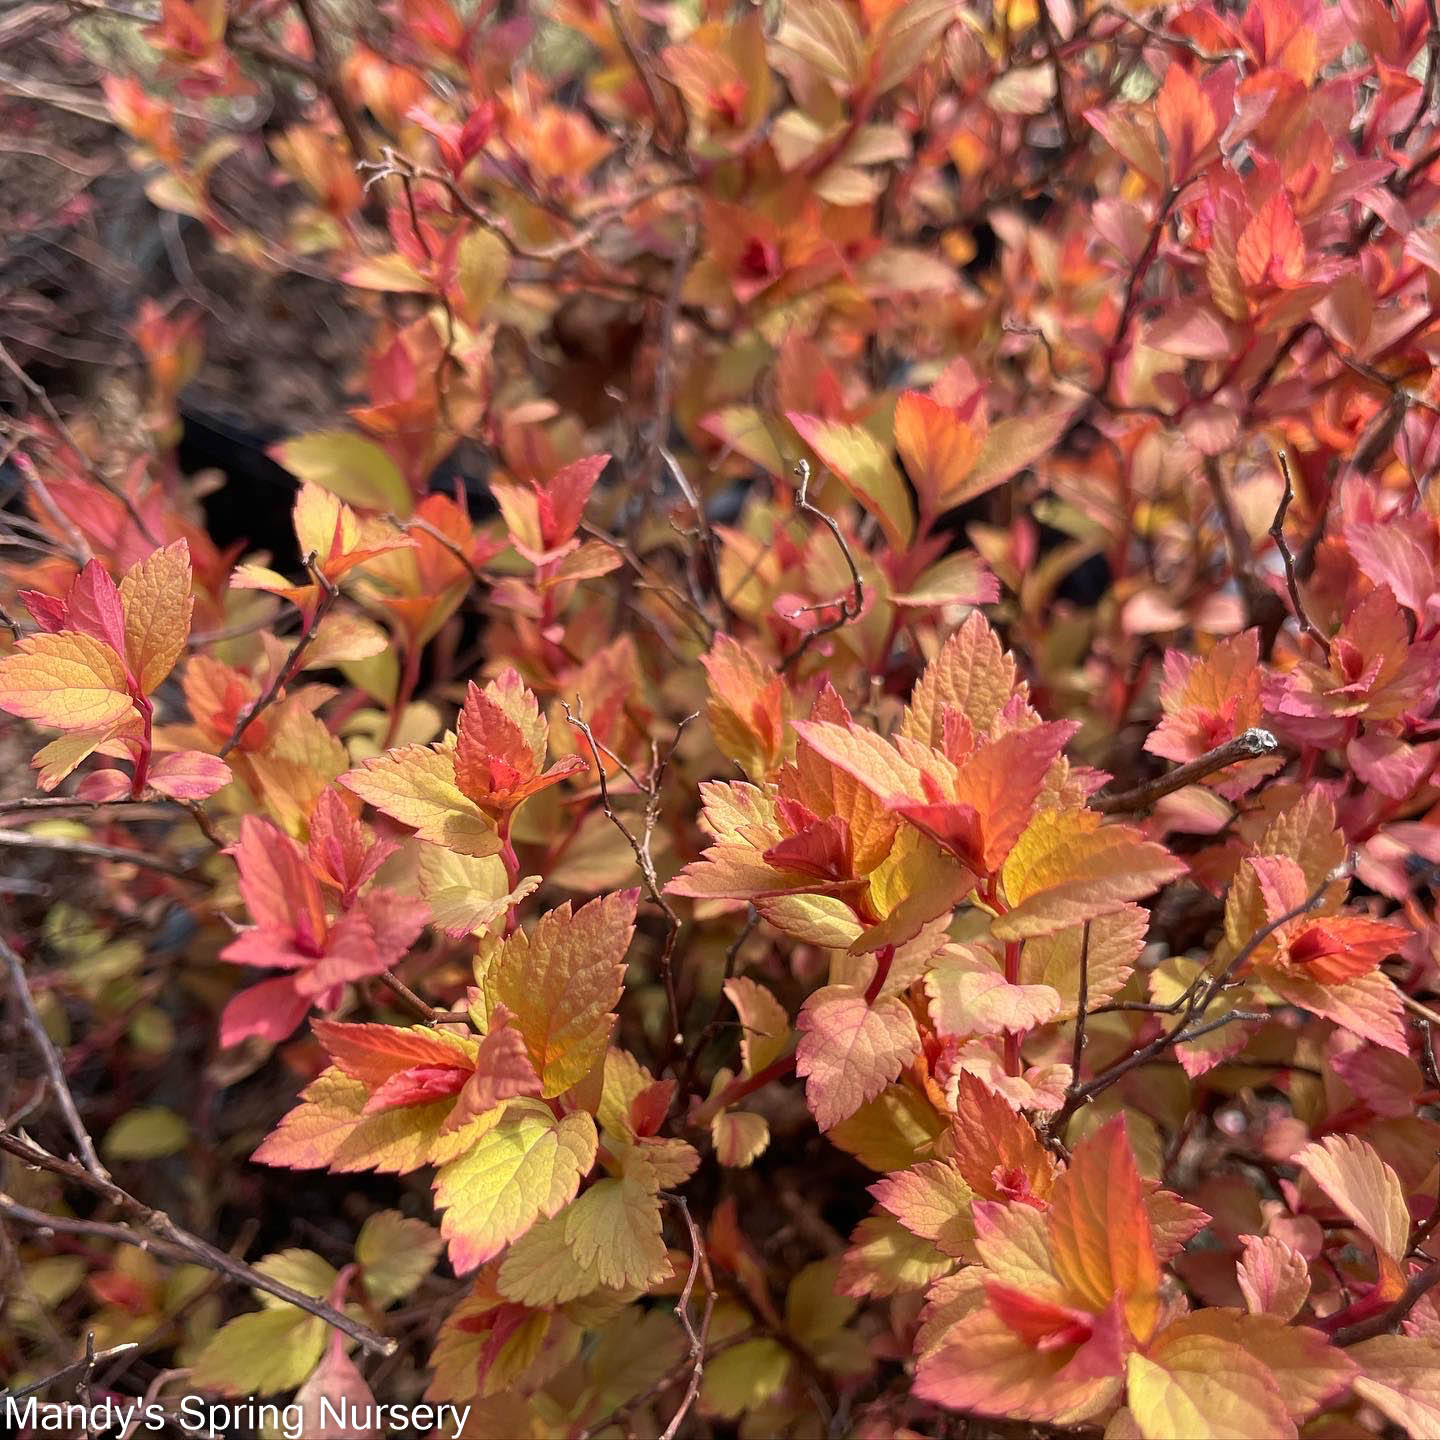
878	864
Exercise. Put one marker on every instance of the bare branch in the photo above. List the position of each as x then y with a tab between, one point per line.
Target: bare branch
50	1058
23	840
850	606
329	593
194	1249
1419	1285
1292	582
1247	746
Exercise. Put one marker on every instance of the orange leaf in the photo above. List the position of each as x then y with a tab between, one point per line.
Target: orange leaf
1100	1233
69	681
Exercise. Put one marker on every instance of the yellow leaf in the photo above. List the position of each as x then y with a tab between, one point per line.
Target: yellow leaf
416	786
354	468
67	680
764	1022
1205	1389
613	1231
327	1130
865	468
1067	868
1363	1187
1401	1379
739	1137
893	1131
972	674
480	269
561	982
156	595
525	1168
262	1353
396	1254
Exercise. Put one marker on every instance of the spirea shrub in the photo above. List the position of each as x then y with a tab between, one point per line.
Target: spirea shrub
828	823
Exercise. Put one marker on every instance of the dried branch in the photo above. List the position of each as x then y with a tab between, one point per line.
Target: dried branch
1419	1285
1247	746
41	396
393	164
50	1059
194	1249
89	1360
697	1335
641	845
329	80
329	593
849	606
430	1014
1292	583
1191	1006
89	850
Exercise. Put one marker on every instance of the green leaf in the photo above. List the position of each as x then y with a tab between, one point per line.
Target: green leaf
146	1134
865	468
396	1255
348	465
261	1353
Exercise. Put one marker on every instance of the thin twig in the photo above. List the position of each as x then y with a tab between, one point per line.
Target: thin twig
697	1335
1077	1053
329	80
67	1372
1247	746
1292	583
1420	1284
89	850
196	1250
54	1069
849	606
42	398
329	593
1198	997
641	845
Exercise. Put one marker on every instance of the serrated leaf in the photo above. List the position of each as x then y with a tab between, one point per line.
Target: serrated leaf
613	1231
525	1168
973	674
1205	1389
328	1129
68	680
416	786
933	1201
1067	868
156	595
1401	1379
850	1050
1363	1187
1273	1277
561	982
1100	1235
396	1254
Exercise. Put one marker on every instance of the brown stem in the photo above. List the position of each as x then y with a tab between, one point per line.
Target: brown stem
1254	742
21	840
1420	1284
54	1070
1292	582
328	78
195	1250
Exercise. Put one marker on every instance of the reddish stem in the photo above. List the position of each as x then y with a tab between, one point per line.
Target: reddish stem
142	759
744	1085
409	681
